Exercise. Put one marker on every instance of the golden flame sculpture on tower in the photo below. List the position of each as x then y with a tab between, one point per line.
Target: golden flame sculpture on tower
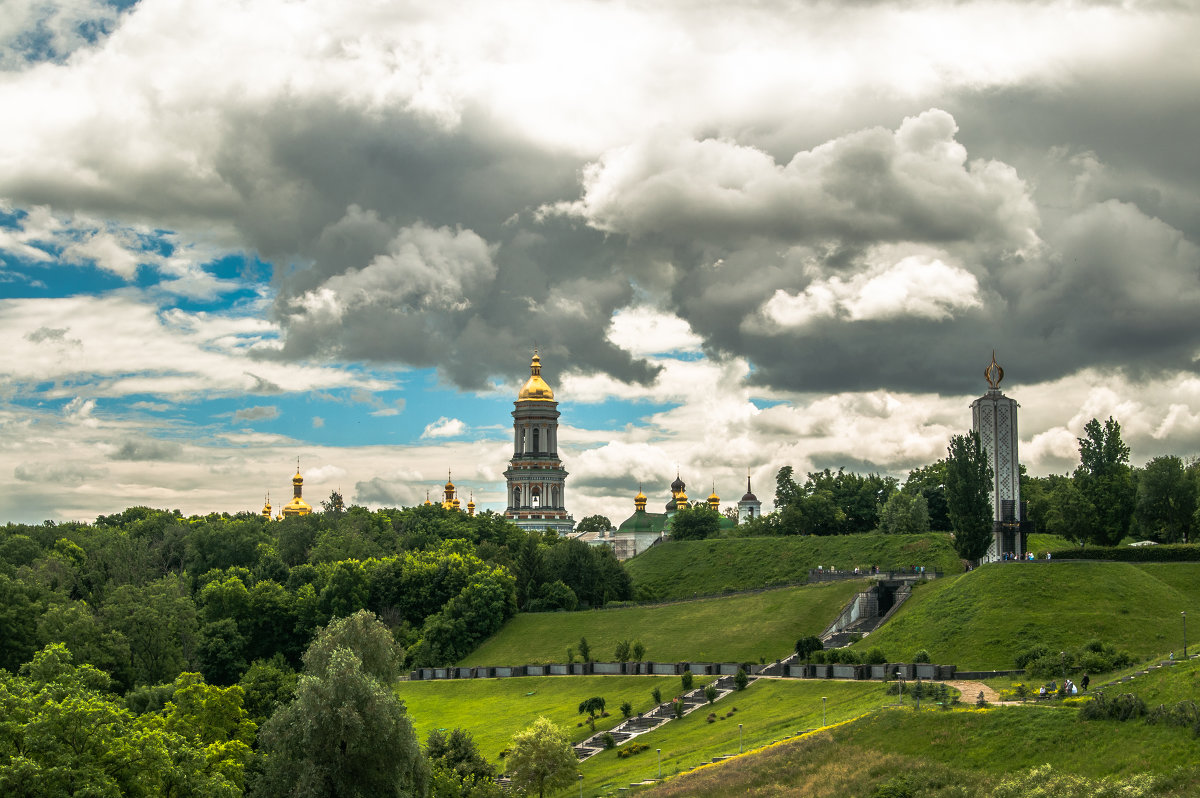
993	373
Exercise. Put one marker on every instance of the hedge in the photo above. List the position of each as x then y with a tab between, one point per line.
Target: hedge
1175	552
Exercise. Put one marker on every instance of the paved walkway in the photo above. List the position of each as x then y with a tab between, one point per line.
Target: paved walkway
970	692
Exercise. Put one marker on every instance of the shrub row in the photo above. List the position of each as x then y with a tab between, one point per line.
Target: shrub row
1176	552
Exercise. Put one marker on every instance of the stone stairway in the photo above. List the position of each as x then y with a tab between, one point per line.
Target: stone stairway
648	721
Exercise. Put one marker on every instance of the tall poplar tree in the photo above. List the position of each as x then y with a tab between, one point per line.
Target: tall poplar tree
1106	480
968	495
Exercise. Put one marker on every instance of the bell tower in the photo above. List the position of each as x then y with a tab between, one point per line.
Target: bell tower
535	476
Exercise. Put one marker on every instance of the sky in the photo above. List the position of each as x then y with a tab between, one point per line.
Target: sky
742	235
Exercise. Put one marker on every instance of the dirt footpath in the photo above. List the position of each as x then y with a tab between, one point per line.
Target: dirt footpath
970	692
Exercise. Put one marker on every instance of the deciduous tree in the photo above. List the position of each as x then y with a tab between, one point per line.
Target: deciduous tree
540	759
968	495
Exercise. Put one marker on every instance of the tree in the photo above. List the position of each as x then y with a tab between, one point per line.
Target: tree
1106	480
594	523
710	693
807	646
638	651
1166	500
592	706
930	482
968	495
904	514
622	651
740	679
585	651
1068	513
457	753
695	523
346	733
540	759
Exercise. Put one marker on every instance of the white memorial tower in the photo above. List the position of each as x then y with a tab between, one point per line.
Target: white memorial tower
994	418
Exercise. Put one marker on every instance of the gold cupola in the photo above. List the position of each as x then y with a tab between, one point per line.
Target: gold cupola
266	510
297	506
535	388
471	505
639	501
714	501
450	495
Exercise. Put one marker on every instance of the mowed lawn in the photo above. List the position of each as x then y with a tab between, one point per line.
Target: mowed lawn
984	618
741	628
686	568
768	710
492	710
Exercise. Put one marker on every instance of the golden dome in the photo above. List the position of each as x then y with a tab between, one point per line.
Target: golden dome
535	388
297	480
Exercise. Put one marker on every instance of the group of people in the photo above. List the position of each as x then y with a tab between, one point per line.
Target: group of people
1069	687
1010	556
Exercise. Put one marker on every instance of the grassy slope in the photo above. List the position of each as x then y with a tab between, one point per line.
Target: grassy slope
681	569
1170	685
961	747
982	619
729	629
768	710
495	709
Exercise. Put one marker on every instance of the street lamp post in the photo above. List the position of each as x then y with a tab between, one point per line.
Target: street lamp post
580	785
659	762
823	710
739	738
1183	613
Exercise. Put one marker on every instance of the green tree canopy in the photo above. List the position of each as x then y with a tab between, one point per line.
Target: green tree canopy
346	734
968	495
594	523
540	759
1106	480
1166	500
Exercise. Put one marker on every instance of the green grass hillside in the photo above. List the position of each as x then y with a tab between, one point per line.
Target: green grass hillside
920	753
493	710
738	628
685	568
982	619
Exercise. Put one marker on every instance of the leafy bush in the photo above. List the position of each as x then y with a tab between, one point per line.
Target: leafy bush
710	693
1095	657
876	657
626	709
608	740
638	651
686	680
656	694
921	656
631	749
1124	707
740	679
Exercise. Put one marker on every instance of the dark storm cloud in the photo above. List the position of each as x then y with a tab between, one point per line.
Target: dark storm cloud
59	474
419	246
1089	283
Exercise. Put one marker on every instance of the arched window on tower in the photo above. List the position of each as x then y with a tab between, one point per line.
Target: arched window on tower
554	502
521	441
516	497
535	439
535	495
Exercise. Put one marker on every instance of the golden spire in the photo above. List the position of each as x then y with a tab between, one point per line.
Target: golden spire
993	373
471	504
535	388
714	501
297	506
266	510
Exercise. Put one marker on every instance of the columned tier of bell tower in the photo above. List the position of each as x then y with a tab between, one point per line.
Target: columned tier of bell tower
535	477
